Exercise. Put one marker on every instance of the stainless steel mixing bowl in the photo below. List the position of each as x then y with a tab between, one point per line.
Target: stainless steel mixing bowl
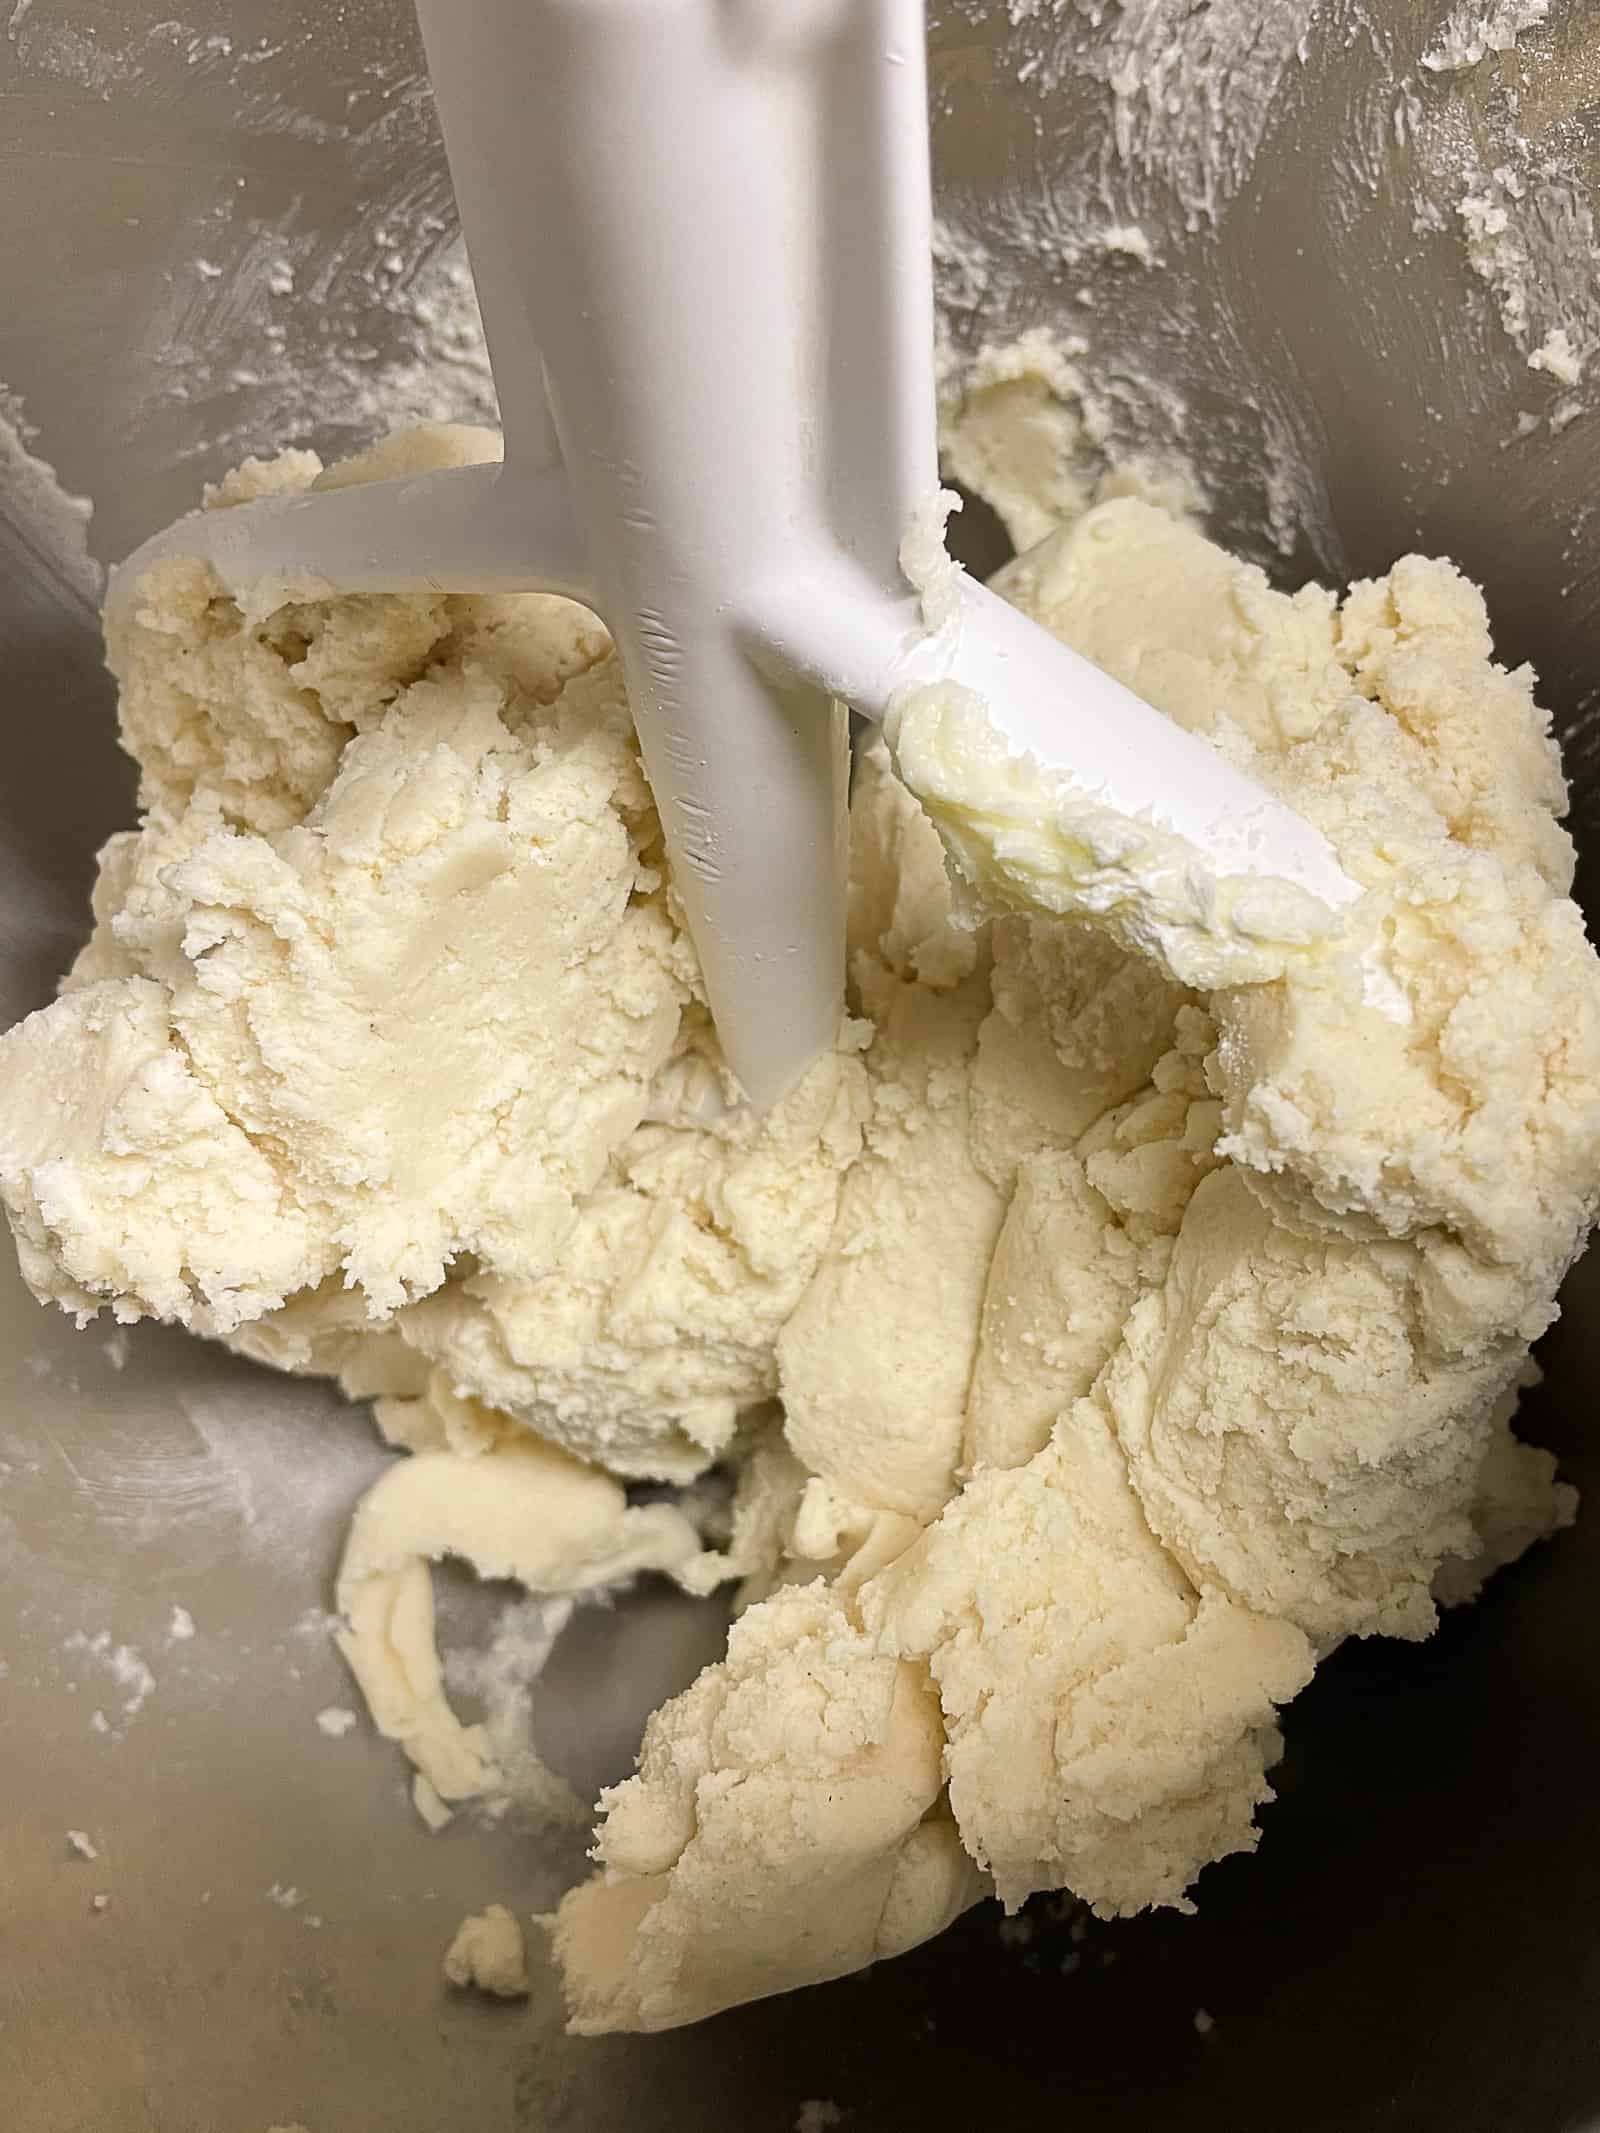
1416	1945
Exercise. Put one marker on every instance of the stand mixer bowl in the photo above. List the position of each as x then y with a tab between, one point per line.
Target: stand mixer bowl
215	242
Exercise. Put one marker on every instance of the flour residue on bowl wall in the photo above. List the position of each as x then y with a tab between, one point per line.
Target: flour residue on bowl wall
1140	128
50	522
1471	33
301	285
1151	159
1190	88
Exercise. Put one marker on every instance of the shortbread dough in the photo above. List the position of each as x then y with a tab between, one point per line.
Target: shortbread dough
489	1954
1092	1354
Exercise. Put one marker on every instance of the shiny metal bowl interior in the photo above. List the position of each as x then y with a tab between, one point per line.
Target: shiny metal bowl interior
1416	1947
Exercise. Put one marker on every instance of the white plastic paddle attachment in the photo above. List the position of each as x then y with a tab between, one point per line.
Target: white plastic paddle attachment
712	216
704	228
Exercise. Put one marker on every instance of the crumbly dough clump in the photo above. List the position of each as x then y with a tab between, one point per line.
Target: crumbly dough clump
489	1954
1131	1346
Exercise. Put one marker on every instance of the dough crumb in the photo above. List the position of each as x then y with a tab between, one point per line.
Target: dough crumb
925	562
1557	357
1127	240
336	1720
127	1669
99	1902
817	2115
489	1954
83	1844
285	1895
180	1626
1204	2023
425	1799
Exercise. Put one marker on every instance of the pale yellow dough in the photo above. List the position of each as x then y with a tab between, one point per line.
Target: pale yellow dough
490	1954
518	1509
1093	1354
